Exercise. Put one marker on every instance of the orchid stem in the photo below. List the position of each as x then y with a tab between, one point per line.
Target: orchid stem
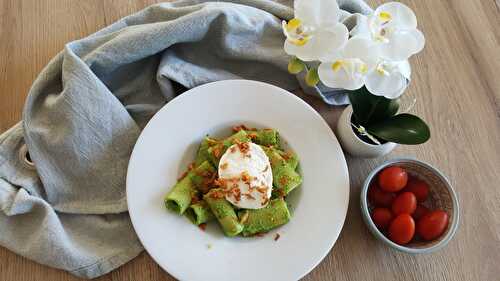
362	131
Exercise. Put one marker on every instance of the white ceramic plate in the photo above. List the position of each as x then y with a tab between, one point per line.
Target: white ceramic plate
168	144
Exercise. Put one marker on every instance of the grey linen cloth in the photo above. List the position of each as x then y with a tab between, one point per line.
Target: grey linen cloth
87	107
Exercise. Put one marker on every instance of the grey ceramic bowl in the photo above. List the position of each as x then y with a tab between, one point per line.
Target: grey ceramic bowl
441	196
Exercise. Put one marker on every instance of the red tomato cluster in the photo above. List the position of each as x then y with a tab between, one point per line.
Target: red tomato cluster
398	210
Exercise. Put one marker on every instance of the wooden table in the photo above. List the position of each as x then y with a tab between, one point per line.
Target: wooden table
457	85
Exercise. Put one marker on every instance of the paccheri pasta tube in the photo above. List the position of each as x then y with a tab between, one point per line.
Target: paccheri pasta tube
217	150
199	213
202	154
202	176
285	178
224	212
262	220
265	137
291	158
180	196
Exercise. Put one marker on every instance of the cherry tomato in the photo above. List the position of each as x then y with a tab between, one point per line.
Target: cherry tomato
405	202
380	198
402	229
432	225
381	217
392	179
420	211
419	188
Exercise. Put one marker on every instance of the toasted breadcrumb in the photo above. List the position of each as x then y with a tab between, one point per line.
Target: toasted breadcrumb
277	236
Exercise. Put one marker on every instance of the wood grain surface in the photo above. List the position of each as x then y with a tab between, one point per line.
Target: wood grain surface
455	80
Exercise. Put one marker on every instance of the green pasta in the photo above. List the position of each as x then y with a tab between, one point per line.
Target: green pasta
265	137
215	152
201	196
285	178
241	136
224	213
199	213
262	220
179	198
202	175
202	154
291	158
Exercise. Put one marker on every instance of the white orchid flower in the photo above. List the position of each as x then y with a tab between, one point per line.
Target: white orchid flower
358	64
348	68
388	79
315	31
394	26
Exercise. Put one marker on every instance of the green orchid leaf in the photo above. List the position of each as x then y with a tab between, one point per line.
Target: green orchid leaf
392	109
370	109
402	128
